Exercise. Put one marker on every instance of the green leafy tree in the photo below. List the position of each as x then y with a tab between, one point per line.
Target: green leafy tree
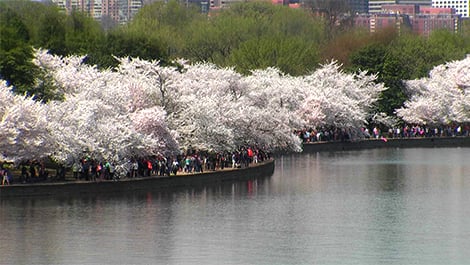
166	23
465	29
370	58
51	32
375	59
82	34
293	56
29	13
343	46
445	46
16	54
214	41
393	75
123	43
406	57
257	35
417	55
336	14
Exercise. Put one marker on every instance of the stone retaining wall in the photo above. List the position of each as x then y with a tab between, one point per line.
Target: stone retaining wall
389	143
265	169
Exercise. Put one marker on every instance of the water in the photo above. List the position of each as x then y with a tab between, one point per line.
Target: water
384	206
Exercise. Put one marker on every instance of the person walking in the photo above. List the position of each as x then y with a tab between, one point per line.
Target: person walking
76	169
5	176
134	168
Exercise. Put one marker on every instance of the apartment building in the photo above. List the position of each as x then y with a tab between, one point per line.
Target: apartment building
375	6
120	11
421	20
432	18
462	7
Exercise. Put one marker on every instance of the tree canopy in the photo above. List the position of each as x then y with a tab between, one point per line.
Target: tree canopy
142	108
246	38
441	98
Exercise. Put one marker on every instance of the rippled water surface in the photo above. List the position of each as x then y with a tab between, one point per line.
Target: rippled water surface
384	206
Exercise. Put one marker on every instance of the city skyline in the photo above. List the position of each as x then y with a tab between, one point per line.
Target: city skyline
122	11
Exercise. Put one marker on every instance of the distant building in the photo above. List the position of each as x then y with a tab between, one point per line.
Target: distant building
376	6
119	11
377	21
358	6
431	18
462	7
421	16
400	9
420	19
414	2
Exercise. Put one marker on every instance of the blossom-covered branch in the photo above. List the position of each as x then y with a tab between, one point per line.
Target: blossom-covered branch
142	108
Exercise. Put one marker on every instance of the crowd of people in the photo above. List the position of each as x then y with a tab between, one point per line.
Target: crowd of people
29	172
194	161
406	131
90	169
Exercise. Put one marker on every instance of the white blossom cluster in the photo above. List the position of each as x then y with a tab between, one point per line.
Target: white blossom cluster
142	108
440	99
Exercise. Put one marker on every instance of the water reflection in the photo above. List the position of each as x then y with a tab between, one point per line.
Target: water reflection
384	206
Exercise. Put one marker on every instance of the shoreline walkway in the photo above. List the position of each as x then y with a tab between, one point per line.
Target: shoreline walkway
183	179
152	183
414	142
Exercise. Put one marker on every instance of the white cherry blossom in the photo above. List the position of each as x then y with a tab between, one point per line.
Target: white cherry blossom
440	99
142	108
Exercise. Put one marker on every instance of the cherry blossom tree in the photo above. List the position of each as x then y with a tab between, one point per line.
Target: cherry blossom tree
141	108
24	132
269	109
222	110
339	100
441	98
206	98
106	114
